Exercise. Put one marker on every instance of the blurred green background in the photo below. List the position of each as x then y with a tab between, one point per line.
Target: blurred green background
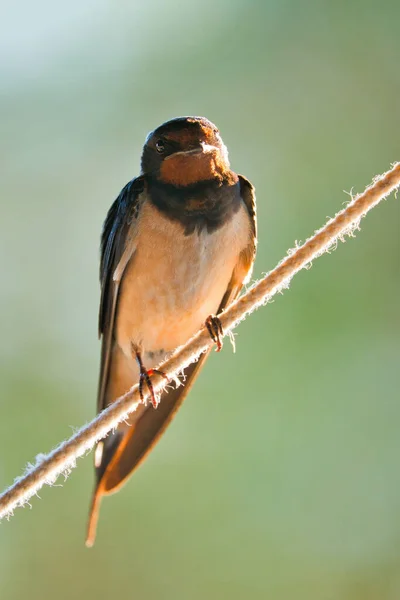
279	478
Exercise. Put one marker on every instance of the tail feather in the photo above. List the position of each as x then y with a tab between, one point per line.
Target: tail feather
130	444
93	517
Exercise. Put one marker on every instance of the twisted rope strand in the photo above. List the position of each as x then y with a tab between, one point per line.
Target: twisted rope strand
62	459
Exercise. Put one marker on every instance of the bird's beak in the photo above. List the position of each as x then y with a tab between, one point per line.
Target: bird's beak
203	148
207	148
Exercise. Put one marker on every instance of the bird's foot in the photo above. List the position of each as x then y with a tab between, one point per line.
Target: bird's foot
215	330
144	379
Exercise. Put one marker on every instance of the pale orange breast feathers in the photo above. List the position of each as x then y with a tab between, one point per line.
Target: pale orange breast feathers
173	282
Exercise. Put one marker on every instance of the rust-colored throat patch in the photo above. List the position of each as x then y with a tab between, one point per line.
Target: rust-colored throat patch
188	168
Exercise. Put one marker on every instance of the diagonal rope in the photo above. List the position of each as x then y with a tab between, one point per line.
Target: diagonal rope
62	459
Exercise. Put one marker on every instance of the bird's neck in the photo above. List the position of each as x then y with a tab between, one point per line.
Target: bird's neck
206	204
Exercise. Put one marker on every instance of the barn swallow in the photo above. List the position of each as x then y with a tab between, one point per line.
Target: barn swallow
177	246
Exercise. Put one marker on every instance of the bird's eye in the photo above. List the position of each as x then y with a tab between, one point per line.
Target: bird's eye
160	146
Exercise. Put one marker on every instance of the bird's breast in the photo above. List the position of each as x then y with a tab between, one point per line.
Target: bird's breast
174	281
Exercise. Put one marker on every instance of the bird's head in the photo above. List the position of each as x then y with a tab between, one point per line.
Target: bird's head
185	151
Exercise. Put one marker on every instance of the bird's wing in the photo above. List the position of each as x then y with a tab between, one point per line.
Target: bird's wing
116	250
130	449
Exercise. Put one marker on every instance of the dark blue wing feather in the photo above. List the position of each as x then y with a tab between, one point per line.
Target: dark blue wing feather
113	239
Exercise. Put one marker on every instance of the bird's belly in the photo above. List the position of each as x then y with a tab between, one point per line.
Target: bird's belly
173	282
167	315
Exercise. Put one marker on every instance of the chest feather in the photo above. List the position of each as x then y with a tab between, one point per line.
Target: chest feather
174	281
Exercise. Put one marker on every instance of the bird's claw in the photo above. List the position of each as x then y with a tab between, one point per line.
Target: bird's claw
214	327
144	378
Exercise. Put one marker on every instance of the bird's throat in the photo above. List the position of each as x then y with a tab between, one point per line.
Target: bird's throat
184	169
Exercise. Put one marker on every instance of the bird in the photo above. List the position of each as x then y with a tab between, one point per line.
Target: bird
177	246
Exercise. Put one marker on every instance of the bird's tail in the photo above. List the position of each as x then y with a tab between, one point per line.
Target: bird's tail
93	517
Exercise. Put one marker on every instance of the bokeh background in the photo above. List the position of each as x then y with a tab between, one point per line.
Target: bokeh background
280	477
